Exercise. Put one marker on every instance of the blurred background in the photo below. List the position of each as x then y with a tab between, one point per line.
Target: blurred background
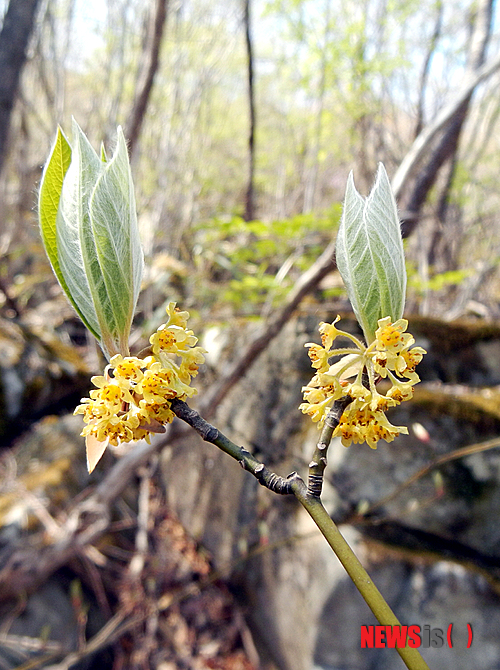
244	119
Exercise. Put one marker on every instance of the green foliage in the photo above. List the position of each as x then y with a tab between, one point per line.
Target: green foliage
337	87
437	282
248	264
89	229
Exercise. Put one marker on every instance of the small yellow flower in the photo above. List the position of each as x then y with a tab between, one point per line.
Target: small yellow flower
400	392
413	357
176	317
382	402
110	393
384	361
392	336
315	395
153	387
358	392
129	368
191	361
155	412
329	333
319	357
317	410
172	339
365	425
112	428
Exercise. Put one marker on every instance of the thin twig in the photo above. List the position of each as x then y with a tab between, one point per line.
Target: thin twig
136	565
421	144
296	486
354	569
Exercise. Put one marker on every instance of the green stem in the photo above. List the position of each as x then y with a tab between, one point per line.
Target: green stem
296	486
372	596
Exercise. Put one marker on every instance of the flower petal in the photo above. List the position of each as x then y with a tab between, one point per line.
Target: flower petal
95	449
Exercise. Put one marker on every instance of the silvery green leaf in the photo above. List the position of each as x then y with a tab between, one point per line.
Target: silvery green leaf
89	227
370	254
72	223
115	235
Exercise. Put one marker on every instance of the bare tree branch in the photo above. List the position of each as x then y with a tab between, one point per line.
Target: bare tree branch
426	68
446	146
35	558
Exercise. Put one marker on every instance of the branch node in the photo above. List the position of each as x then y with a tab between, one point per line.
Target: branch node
315	485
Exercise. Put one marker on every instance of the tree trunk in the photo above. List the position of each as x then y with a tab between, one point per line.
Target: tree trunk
141	102
250	193
17	27
446	146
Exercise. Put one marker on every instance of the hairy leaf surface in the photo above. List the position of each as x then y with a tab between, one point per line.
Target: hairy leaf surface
73	222
116	237
370	254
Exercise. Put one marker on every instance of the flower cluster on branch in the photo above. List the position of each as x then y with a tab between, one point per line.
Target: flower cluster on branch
132	399
391	356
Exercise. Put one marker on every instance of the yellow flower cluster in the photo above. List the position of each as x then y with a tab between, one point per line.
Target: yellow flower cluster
356	374
131	399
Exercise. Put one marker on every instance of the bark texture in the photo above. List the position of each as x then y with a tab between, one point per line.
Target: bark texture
17	27
142	100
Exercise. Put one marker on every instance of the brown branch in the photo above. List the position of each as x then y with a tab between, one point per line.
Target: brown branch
250	194
446	147
426	68
18	24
